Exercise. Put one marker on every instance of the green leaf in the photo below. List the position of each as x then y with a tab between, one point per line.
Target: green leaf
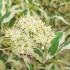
30	67
28	63
0	12
30	1
0	4
5	16
25	11
3	57
52	68
37	54
38	51
0	8
54	46
8	5
55	43
59	34
12	22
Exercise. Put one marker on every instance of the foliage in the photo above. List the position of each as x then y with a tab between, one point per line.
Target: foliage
34	35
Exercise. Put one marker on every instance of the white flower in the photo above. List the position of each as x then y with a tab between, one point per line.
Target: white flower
13	33
29	31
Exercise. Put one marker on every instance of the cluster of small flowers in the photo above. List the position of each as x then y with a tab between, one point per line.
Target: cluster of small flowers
29	32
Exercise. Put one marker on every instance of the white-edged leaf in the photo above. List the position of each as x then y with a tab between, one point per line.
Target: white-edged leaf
14	10
61	18
38	51
65	45
30	67
37	56
28	64
55	43
62	39
52	67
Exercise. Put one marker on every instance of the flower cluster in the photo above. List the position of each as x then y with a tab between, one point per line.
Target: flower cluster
29	32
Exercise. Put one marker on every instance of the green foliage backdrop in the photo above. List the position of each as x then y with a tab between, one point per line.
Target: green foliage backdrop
49	17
